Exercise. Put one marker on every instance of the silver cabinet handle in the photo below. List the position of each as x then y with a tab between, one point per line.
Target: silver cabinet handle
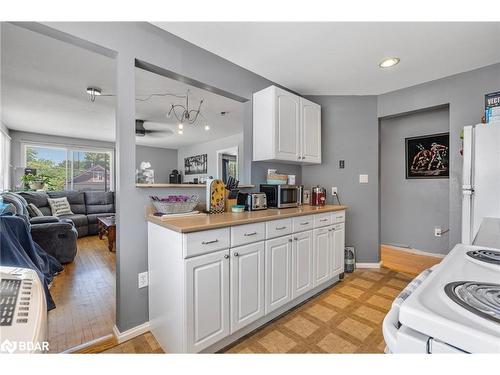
304	223
209	242
226	256
290	240
324	220
250	234
236	254
298	157
280	228
295	239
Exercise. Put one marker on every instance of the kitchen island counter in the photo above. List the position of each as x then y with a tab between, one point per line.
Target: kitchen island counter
198	223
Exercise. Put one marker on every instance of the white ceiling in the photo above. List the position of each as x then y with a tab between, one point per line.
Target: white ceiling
44	82
43	91
340	58
155	110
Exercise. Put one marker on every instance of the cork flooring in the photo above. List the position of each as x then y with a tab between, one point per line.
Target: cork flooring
346	318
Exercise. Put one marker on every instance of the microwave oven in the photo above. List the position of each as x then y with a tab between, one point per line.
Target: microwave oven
281	196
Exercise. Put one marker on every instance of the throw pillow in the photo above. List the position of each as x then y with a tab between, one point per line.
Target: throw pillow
34	211
60	206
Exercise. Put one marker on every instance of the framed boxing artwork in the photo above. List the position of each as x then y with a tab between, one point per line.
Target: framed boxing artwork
427	156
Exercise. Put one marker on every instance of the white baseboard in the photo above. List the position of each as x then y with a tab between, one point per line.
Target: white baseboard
130	333
368	265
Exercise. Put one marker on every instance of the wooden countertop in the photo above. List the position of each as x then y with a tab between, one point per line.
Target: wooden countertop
205	222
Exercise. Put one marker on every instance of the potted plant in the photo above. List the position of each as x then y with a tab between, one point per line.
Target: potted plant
35	182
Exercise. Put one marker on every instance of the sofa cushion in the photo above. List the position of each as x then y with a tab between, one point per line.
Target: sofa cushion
39	199
76	200
93	217
60	206
100	202
78	219
33	210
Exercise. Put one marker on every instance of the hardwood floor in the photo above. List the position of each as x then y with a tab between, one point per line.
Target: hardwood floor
84	294
402	260
346	318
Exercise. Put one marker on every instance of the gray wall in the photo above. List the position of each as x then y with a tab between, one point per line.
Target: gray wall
465	94
126	42
162	160
411	208
18	137
259	171
350	132
210	148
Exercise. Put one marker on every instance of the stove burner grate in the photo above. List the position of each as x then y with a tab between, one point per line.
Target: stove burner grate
482	299
489	256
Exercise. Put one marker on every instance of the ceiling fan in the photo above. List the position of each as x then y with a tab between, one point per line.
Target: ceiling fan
151	129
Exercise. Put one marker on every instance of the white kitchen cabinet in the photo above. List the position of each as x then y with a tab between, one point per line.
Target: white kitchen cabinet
247	284
302	263
286	127
322	252
311	131
278	265
207	299
337	235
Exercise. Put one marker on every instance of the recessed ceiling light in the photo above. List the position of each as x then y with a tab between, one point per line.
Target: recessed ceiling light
389	62
207	127
180	132
181	126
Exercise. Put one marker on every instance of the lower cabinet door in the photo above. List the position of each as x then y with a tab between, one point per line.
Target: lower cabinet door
207	300
247	284
337	234
302	263
278	272
322	249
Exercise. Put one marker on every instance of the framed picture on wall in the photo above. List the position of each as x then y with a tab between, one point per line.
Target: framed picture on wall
195	164
427	156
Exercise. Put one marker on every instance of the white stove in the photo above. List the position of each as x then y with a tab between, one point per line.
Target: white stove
455	308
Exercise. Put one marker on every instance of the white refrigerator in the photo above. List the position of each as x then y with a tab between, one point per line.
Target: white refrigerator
481	177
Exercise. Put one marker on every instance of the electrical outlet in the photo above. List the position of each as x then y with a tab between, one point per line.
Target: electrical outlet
334	190
438	231
143	279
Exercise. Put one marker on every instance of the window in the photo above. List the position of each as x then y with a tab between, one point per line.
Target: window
70	168
4	161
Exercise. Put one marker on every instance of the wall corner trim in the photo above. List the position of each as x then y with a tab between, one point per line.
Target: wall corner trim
130	333
369	265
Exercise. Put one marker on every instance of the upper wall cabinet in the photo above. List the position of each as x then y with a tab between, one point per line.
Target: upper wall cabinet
286	127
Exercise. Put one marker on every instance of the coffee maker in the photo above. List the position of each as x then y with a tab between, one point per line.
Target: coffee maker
175	177
318	196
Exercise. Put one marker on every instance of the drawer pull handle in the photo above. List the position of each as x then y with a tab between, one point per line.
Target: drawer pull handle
280	228
324	219
209	242
250	234
236	254
304	223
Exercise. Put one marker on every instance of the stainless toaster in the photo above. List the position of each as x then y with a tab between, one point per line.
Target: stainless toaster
256	201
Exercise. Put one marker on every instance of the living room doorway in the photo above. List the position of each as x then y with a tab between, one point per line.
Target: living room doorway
62	151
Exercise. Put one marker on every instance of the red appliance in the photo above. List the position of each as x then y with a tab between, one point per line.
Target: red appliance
318	196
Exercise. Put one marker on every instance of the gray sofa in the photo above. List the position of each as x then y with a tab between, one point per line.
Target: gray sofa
86	206
54	235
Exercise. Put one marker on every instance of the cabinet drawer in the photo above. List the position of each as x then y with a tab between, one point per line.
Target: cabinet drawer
302	223
322	220
205	241
248	233
277	228
338	217
338	226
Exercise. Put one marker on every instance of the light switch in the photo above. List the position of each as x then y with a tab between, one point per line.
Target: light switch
363	178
